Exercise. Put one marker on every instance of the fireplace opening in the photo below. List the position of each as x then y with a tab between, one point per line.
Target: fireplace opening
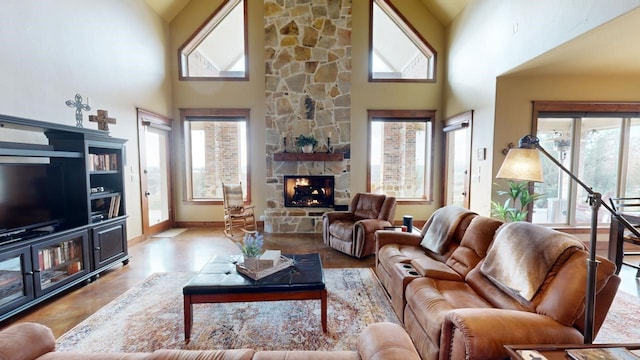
308	191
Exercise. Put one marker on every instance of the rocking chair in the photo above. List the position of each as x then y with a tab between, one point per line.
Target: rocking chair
237	215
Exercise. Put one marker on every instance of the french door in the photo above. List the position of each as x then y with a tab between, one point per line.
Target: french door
457	159
154	141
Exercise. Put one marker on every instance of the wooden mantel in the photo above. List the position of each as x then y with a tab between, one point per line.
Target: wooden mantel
308	157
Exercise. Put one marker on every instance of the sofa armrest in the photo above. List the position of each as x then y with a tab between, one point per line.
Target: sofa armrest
26	341
385	237
386	341
480	333
332	216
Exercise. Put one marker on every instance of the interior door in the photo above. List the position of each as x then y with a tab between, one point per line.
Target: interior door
457	159
154	139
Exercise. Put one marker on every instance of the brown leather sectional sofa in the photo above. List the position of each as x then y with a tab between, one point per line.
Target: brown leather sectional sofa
467	285
379	341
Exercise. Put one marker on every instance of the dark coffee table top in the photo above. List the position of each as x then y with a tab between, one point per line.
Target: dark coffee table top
219	276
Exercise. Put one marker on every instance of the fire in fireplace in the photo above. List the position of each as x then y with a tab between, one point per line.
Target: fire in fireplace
308	191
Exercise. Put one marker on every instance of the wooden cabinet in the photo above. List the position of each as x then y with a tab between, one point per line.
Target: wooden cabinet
109	243
80	232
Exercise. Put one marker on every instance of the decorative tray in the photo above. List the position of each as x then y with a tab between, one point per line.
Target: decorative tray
284	263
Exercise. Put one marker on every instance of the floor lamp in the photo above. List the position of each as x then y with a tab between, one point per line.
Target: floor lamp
524	164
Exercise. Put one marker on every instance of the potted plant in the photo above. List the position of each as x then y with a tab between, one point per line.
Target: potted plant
515	207
252	249
306	143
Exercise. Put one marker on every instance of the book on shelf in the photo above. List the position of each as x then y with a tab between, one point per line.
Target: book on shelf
603	353
103	162
114	206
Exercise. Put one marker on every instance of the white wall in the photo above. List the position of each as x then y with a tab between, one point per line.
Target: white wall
491	37
113	51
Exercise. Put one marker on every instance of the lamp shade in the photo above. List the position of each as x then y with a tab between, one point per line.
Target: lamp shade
522	165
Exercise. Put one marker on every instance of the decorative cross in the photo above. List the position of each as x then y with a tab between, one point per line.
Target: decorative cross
102	119
77	103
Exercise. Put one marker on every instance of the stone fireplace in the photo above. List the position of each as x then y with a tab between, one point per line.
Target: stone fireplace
307	92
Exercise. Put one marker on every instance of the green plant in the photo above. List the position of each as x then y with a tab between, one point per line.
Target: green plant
252	245
304	140
515	207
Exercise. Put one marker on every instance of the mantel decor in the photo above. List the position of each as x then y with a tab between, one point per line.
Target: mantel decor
306	143
308	157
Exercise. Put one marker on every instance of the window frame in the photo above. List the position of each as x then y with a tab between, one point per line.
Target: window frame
406	27
217	114
568	109
198	36
428	116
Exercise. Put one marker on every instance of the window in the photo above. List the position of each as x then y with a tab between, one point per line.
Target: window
218	49
216	149
400	146
597	142
396	51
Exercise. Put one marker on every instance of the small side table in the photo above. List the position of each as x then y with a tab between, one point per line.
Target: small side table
555	351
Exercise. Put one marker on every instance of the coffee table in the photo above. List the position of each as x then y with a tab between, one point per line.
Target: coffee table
219	282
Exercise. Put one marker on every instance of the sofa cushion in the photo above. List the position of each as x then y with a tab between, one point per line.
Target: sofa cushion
441	226
341	229
14	341
431	299
568	286
368	206
474	244
522	255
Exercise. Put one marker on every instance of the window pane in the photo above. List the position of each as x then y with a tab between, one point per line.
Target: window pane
399	158
632	188
397	51
555	136
218	154
218	49
598	164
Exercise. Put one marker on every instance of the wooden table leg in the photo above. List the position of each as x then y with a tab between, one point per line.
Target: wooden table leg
188	317
323	309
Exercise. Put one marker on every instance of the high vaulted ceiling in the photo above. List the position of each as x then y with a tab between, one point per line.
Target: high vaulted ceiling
443	10
605	50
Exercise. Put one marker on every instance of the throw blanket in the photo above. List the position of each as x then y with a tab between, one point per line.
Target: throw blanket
522	254
440	227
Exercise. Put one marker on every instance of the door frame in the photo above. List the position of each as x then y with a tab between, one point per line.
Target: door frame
151	119
457	122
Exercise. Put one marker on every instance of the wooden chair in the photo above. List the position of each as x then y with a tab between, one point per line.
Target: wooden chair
237	215
629	208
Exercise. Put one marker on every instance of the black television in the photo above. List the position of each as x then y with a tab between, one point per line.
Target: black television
31	197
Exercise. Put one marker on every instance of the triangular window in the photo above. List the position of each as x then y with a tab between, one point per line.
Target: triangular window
397	52
218	49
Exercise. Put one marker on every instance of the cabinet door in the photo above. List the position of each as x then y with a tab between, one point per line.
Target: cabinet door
16	279
60	261
109	243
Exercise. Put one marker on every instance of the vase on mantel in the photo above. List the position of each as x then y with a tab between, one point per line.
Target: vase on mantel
252	263
307	149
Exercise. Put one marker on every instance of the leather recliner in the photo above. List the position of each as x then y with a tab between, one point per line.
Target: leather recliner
352	232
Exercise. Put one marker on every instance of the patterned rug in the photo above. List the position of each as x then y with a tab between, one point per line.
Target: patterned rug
150	317
621	324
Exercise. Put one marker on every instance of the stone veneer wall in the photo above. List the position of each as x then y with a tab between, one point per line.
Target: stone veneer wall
308	91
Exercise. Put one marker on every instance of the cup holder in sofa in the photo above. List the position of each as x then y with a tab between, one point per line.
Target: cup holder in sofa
413	272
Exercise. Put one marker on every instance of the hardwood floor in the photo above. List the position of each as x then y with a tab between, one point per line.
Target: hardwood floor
189	251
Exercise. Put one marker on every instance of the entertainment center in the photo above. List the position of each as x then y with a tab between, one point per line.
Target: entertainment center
62	210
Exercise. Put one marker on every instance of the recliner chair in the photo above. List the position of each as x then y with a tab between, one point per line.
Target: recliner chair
351	232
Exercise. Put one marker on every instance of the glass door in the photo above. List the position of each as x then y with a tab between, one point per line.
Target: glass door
16	278
457	159
60	261
155	167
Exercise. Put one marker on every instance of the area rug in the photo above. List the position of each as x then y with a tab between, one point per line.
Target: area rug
621	323
170	233
150	317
